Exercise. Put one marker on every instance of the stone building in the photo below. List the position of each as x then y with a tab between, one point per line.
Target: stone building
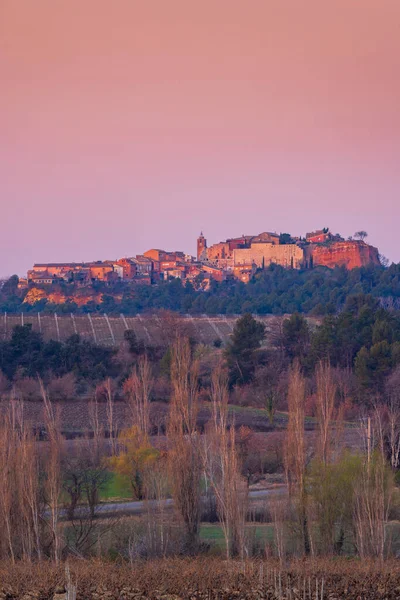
201	247
244	272
221	254
319	237
128	268
161	255
264	254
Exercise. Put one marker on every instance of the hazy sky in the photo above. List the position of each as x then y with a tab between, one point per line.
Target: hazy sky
128	124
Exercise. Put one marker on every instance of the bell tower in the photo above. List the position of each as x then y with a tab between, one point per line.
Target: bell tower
201	247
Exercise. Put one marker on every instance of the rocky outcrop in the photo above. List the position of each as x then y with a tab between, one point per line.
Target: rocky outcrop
34	295
350	254
81	298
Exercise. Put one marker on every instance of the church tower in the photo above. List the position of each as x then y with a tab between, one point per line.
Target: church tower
201	247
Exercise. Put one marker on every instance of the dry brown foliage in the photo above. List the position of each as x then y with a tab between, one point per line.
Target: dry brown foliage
62	388
26	388
207	579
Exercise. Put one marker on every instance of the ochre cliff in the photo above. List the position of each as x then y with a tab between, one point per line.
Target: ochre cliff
55	297
350	254
34	295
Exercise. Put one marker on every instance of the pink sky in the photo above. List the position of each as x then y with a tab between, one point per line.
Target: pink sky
130	124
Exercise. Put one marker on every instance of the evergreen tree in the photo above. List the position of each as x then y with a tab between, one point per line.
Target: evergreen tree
296	336
246	339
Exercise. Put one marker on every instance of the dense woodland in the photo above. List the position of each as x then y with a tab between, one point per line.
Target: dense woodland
276	290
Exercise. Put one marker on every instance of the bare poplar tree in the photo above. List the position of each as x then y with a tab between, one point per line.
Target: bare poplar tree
156	493
28	485
393	432
110	408
7	465
139	387
184	380
294	457
373	496
325	401
391	419
96	427
373	492
279	515
183	440
53	483
223	469
19	486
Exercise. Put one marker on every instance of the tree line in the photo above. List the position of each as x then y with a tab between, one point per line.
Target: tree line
28	355
275	290
361	342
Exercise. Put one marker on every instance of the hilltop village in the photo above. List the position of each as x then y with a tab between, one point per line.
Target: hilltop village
237	258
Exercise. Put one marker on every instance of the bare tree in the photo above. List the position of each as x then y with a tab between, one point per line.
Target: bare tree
373	496
325	401
157	485
83	476
107	390
279	513
171	326
183	439
295	459
29	486
223	468
7	463
392	419
138	388
184	379
53	483
385	262
19	487
295	446
393	434
373	490
95	426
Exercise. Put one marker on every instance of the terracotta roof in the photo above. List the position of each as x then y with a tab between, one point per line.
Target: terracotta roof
141	258
59	264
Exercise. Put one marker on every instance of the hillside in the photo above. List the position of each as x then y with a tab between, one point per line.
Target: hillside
275	291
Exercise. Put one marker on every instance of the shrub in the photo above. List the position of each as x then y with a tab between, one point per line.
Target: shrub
62	388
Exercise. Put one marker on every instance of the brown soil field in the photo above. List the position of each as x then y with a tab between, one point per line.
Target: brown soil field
75	422
74	415
175	579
